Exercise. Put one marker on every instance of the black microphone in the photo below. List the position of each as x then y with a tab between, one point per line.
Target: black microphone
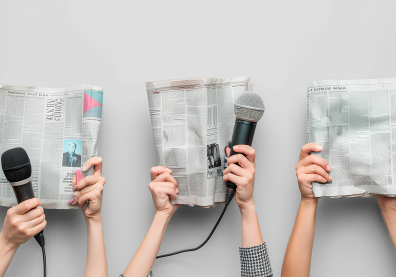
18	171
248	108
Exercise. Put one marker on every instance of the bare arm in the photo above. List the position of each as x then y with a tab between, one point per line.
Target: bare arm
21	223
297	261
90	189
388	211
162	187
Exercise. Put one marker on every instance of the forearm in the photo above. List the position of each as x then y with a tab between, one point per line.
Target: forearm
7	252
143	260
390	222
251	233
297	261
96	264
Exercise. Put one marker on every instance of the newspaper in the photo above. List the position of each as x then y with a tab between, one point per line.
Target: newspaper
58	128
193	121
355	123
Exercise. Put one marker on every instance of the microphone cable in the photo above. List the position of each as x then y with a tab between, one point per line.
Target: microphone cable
229	196
44	261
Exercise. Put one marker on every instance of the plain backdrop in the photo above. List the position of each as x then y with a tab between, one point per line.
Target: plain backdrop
280	45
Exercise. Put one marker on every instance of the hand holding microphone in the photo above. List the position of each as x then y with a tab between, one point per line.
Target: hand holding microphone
23	222
241	171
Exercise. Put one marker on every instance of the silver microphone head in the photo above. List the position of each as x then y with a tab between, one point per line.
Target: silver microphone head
249	106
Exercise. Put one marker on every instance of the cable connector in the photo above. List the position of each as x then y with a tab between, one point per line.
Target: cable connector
40	239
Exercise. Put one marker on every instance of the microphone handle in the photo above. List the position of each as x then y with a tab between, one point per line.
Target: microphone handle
242	135
25	192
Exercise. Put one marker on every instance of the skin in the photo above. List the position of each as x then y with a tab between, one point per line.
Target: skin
21	223
164	186
312	168
91	188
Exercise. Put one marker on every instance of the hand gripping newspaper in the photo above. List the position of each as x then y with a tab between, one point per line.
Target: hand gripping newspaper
58	128
192	122
355	123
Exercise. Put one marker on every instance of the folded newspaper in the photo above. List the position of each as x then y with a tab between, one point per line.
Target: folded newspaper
58	128
193	121
355	123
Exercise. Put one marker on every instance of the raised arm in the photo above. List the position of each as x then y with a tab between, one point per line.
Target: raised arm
253	253
90	189
21	223
162	187
310	168
388	211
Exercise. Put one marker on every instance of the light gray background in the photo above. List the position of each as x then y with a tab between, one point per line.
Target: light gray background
280	45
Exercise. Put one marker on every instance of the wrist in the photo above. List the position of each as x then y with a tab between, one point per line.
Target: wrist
309	201
246	206
6	245
93	218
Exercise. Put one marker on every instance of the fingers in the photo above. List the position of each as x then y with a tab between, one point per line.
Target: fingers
91	196
309	178
158	170
35	230
25	206
32	214
153	185
80	193
228	151
308	148
166	177
314	169
165	190
241	160
314	159
237	170
33	223
247	150
237	180
90	180
96	162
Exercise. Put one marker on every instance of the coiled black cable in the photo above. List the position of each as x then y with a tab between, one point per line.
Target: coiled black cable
196	248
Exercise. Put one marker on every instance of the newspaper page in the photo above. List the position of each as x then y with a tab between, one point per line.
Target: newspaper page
58	128
193	121
355	123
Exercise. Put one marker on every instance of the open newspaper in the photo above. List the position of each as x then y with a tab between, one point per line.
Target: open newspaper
355	123
193	121
58	128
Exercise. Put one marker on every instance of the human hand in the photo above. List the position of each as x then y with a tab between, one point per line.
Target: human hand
311	168
242	175
163	185
89	188
23	222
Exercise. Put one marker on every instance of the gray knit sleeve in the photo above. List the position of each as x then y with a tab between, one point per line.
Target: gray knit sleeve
150	274
255	261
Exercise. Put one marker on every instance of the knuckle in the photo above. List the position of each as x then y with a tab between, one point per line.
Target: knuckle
88	179
27	233
10	212
103	179
20	228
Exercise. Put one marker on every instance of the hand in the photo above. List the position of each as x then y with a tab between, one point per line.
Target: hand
163	186
387	204
89	188
23	222
242	175
311	168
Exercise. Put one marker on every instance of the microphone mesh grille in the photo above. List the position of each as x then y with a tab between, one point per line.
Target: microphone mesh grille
249	106
13	158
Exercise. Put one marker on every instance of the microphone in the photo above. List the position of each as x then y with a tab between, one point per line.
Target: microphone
248	108
18	171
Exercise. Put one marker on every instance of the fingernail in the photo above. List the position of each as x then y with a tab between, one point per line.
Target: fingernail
319	148
169	170
330	178
84	168
328	168
70	201
177	190
79	175
75	193
236	148
75	188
